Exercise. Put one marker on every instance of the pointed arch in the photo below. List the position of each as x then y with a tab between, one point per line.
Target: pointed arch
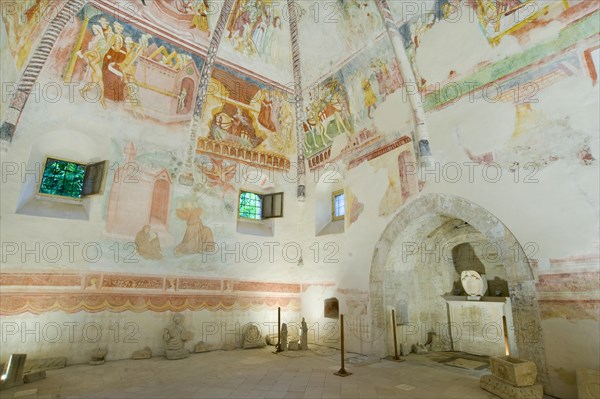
520	277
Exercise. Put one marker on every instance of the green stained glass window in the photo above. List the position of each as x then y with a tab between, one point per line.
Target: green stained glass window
62	178
250	205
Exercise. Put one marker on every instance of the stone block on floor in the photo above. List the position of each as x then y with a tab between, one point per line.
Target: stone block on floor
45	364
505	390
34	376
145	353
517	372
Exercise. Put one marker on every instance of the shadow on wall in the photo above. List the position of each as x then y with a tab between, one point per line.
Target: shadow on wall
465	256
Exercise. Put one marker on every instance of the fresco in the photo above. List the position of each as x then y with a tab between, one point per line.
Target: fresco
198	238
246	121
348	102
592	59
341	28
364	20
370	78
501	17
192	19
496	19
117	63
354	207
25	22
564	140
148	244
140	195
257	35
219	174
327	114
399	164
413	30
145	206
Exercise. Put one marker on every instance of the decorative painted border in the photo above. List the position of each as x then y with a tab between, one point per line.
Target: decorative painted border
570	310
380	151
323	158
95	292
577	260
264	159
572	280
569	282
38	303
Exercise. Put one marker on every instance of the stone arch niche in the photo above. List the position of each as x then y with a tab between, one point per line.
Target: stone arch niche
422	219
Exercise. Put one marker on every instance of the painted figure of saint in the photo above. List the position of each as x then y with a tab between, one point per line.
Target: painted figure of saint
97	48
114	84
181	100
197	238
370	98
258	35
183	6
396	74
275	51
147	244
265	114
200	20
107	30
235	128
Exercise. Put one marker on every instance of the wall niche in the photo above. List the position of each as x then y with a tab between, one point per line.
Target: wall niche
331	308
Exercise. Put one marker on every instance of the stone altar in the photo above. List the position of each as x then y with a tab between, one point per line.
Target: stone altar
482	327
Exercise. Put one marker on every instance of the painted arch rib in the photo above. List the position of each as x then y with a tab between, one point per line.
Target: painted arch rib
298	99
35	65
187	175
410	83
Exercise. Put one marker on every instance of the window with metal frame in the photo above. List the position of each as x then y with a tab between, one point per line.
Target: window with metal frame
260	206
72	179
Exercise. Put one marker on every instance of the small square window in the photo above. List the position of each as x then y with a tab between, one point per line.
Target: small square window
250	205
339	205
62	178
260	206
72	179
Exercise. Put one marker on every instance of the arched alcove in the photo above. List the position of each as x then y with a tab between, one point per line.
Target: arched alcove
429	216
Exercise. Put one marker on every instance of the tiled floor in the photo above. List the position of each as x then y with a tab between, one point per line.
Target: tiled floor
258	373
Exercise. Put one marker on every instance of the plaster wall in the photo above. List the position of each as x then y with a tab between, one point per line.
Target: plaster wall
527	156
